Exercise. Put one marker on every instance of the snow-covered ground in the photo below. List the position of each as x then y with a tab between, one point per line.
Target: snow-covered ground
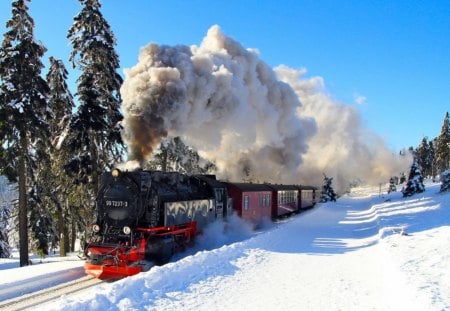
363	252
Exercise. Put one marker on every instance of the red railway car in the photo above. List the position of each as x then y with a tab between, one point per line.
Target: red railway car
307	197
252	202
285	200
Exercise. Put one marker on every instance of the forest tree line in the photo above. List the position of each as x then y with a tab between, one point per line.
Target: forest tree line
433	156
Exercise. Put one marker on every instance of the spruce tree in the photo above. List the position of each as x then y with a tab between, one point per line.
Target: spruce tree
58	183
173	155
6	198
94	138
23	108
4	244
392	187
442	151
445	181
415	180
431	157
328	193
425	157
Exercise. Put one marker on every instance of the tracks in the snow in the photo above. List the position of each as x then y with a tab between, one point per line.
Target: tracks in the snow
40	297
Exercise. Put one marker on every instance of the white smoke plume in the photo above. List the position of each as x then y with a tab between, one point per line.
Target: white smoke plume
253	122
223	101
343	147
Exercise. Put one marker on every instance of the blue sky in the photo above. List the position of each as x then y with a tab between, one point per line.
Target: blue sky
395	55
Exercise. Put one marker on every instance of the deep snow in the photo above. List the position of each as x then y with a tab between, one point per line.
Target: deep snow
364	252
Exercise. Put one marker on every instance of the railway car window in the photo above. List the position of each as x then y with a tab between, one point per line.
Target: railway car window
245	201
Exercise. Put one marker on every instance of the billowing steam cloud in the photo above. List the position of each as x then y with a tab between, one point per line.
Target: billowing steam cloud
342	148
222	100
253	122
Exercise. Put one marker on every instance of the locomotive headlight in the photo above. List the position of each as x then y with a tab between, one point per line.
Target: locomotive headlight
126	230
115	172
96	228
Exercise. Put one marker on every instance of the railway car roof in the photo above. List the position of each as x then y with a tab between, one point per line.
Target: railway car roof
283	187
251	187
307	187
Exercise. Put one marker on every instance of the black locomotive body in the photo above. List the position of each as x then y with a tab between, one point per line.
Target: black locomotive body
146	216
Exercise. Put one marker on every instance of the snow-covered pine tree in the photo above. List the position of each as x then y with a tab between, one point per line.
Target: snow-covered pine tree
58	184
23	107
5	214
445	181
402	178
415	180
431	157
174	155
41	222
442	150
94	136
4	243
425	157
392	187
328	193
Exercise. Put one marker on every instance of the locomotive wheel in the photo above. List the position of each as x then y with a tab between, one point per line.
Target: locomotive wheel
160	249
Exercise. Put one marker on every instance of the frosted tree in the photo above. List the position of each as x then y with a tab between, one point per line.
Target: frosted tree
392	187
23	109
442	150
425	154
5	214
445	181
415	180
174	155
4	244
58	184
5	249
328	193
94	137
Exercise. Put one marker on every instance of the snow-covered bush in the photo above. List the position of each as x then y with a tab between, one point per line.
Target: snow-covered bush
445	181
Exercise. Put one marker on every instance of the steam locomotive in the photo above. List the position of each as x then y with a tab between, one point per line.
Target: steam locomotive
144	217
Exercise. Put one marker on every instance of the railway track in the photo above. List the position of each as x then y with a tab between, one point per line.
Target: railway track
35	299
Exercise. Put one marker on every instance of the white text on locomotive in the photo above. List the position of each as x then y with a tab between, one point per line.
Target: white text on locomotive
111	203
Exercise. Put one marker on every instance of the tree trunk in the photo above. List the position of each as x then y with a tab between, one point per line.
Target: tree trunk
62	236
23	217
66	237
73	236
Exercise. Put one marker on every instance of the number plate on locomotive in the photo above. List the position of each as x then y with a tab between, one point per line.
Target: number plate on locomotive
111	203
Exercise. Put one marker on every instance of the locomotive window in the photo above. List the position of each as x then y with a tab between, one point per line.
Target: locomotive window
246	202
219	195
